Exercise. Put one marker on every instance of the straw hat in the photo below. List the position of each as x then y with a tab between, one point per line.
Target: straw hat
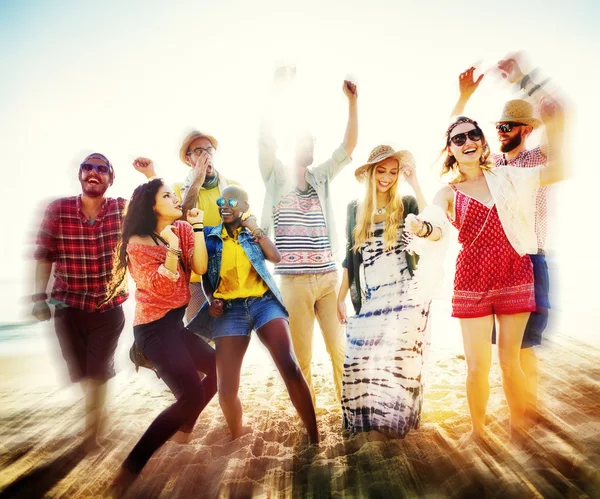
519	111
193	135
380	153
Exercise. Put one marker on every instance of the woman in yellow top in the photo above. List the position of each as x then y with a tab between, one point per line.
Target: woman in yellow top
242	296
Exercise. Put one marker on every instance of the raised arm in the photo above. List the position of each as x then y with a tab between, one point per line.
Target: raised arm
517	70
195	217
351	135
466	86
145	166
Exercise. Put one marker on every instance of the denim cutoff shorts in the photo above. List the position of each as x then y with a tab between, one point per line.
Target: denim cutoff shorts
242	315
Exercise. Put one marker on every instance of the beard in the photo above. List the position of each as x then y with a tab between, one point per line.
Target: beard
511	144
94	190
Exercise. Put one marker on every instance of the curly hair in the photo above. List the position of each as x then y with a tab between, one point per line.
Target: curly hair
450	165
139	220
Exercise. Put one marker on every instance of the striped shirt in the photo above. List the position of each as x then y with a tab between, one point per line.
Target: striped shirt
82	253
530	159
301	234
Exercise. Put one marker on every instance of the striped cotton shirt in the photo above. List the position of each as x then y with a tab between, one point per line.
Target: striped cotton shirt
301	234
530	159
81	252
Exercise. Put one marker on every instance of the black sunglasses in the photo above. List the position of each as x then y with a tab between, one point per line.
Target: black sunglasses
507	127
88	167
460	138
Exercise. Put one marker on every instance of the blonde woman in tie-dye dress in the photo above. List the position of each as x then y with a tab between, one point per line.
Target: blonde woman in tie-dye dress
383	371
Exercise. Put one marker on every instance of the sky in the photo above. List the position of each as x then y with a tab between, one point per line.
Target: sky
131	78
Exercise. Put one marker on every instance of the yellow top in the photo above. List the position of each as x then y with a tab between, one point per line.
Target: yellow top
207	202
238	277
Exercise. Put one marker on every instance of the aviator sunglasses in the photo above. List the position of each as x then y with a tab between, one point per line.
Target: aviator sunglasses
460	138
507	127
232	202
88	167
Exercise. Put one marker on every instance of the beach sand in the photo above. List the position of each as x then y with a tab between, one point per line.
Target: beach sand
41	455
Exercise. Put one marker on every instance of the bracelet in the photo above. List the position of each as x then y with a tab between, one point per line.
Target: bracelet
198	223
428	230
537	87
258	234
198	229
39	297
173	251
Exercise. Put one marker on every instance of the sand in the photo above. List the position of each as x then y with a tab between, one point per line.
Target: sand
41	455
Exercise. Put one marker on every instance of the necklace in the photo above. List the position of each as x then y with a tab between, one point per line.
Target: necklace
379	211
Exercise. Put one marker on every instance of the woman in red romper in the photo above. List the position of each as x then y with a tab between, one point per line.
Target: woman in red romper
494	274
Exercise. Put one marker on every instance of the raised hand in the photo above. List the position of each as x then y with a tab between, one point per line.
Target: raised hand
514	67
410	175
144	166
169	234
350	90
249	222
195	216
467	84
199	168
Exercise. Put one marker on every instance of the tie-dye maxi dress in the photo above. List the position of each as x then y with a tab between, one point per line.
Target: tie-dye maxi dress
383	369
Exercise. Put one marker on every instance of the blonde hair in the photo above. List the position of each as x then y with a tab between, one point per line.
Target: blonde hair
366	213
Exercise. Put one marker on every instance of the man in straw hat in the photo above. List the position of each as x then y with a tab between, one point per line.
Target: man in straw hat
77	237
200	189
514	126
299	208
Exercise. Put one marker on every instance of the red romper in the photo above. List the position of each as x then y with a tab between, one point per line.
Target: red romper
491	277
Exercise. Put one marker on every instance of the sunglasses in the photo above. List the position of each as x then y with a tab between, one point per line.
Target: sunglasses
507	127
460	138
232	202
88	167
198	151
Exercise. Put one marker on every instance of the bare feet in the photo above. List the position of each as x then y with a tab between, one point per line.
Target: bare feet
472	438
181	437
121	483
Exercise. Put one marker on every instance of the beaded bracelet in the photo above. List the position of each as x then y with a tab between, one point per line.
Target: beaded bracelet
258	234
174	251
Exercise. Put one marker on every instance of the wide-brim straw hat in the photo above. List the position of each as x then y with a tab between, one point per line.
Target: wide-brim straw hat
193	135
519	111
378	154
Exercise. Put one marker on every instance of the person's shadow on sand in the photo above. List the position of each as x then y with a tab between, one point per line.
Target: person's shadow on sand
37	482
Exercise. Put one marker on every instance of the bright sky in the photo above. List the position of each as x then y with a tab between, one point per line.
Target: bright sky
130	78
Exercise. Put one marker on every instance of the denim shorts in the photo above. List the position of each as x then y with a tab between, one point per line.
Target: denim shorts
241	316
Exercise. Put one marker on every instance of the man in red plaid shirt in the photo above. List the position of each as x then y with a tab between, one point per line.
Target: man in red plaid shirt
513	128
78	236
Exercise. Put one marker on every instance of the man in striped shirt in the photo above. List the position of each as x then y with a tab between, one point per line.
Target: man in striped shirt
298	207
77	237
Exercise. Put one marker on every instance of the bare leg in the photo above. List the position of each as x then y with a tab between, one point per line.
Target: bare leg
95	397
529	364
230	354
510	336
275	336
477	334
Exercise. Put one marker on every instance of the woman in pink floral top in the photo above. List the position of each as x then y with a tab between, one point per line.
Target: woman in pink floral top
160	253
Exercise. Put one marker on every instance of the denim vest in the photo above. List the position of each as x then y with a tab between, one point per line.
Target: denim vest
214	248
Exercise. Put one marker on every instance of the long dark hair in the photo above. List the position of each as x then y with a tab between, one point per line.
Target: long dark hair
450	164
139	220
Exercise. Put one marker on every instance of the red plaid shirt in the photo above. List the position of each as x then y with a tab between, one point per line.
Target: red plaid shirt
530	159
82	253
